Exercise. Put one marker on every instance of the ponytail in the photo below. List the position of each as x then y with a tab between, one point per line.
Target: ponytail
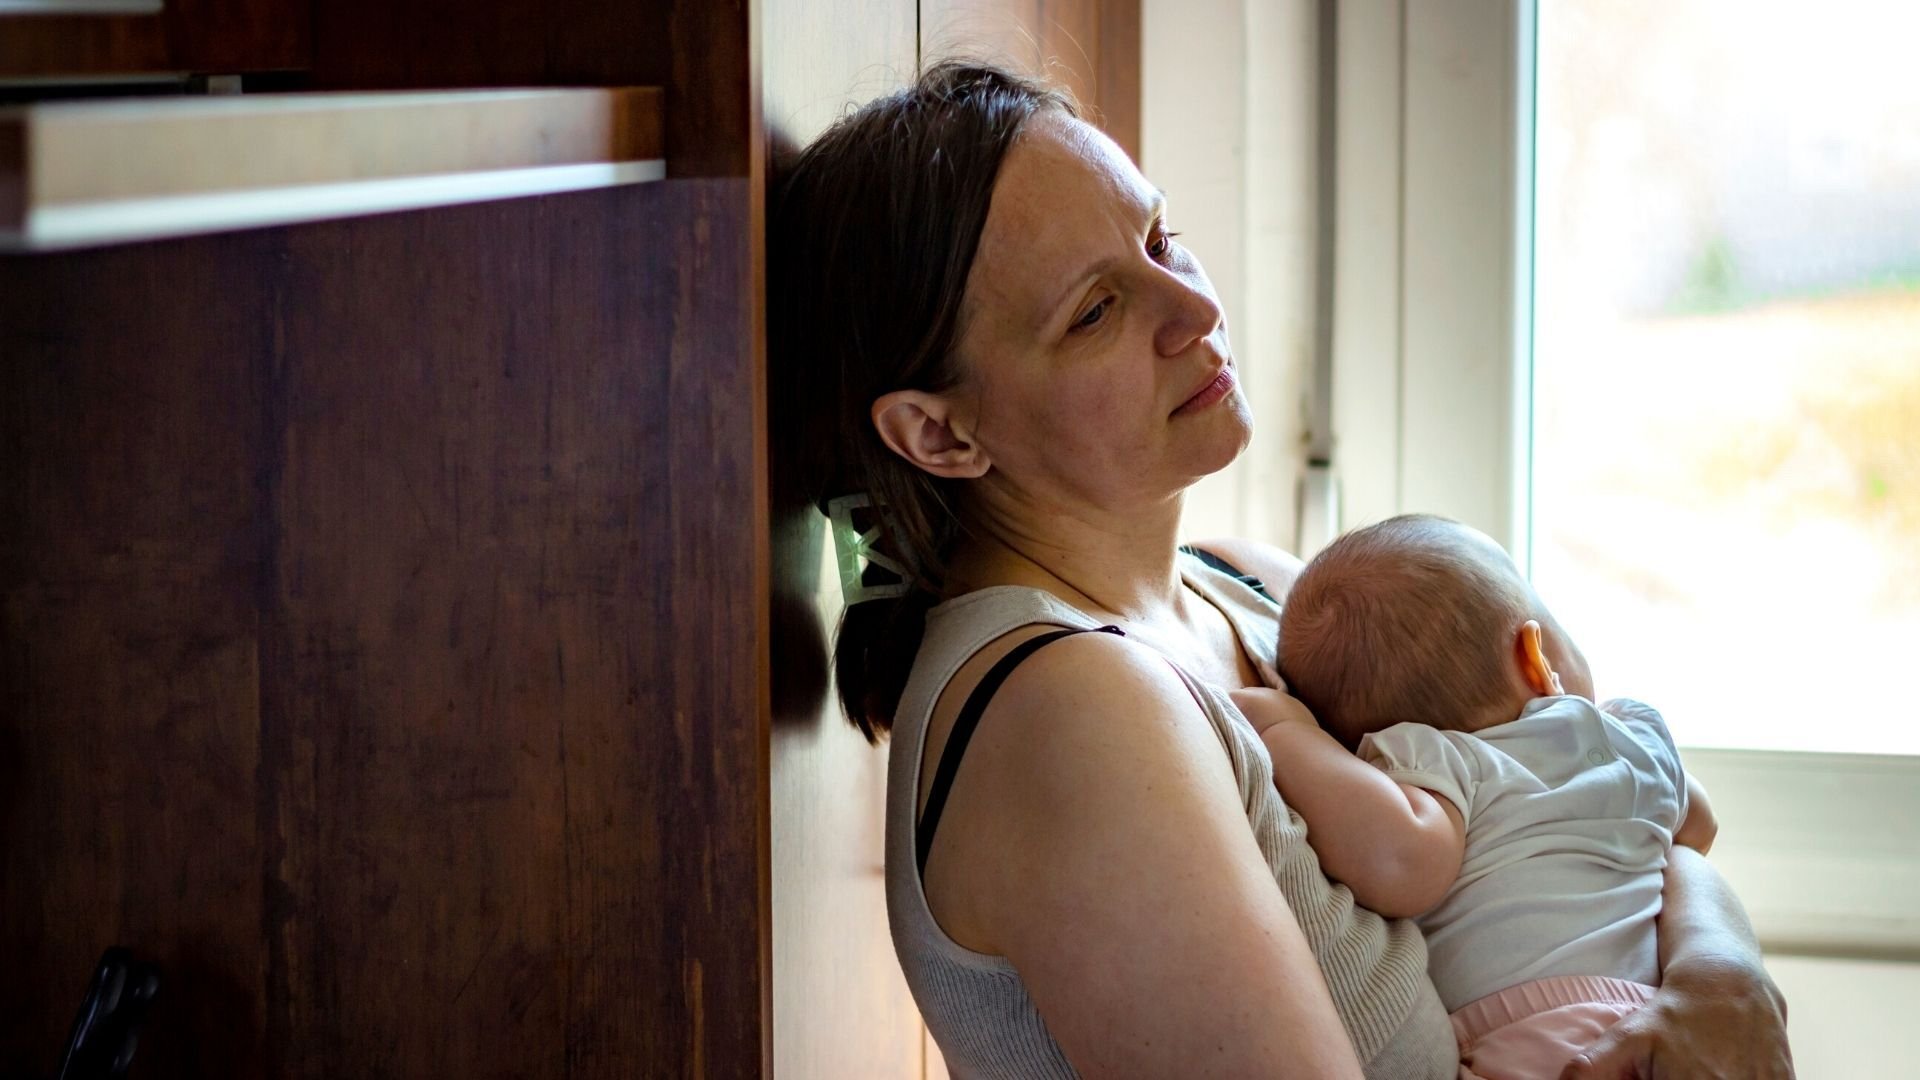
873	655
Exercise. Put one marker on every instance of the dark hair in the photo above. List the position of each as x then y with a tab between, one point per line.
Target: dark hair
873	233
1403	620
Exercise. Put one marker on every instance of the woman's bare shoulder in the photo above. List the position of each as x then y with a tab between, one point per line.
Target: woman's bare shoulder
1105	682
1079	719
1079	687
1106	854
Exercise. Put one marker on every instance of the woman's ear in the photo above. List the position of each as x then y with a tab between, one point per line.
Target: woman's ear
1535	668
924	429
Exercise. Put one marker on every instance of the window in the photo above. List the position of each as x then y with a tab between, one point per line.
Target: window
1726	366
1723	299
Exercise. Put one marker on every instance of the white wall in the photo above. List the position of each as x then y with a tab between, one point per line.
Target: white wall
1850	1018
1227	129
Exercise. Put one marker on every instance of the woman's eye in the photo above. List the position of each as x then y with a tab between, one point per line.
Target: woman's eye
1093	314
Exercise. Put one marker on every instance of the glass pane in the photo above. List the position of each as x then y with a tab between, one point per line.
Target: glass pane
1726	471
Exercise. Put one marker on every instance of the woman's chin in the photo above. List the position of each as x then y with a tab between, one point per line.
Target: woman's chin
1222	449
1236	431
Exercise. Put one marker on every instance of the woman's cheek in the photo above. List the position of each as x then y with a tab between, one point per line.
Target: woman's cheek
1095	411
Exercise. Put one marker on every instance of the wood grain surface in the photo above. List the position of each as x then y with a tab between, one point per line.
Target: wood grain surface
697	50
205	36
384	642
132	552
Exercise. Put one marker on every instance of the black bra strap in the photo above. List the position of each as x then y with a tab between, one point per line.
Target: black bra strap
963	731
1229	569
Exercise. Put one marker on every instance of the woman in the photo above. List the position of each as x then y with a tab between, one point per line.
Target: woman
1004	354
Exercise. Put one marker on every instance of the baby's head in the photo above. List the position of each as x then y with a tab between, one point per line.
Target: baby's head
1420	619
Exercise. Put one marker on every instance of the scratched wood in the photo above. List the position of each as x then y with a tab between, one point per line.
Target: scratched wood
514	748
131	548
384	641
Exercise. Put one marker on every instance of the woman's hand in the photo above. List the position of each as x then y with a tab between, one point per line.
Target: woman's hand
1708	1020
1717	1013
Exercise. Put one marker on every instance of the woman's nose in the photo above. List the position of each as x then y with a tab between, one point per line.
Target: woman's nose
1192	313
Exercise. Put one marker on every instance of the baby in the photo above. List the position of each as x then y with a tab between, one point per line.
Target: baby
1525	826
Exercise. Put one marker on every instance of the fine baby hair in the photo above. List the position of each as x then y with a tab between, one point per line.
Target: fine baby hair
1410	619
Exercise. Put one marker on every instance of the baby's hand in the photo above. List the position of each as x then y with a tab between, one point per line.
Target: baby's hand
1264	708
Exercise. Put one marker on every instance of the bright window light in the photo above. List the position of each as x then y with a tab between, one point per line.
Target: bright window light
1726	425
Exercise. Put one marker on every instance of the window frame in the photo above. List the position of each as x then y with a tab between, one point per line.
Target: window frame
1432	410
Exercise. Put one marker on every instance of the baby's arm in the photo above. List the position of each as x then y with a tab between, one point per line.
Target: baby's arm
1396	846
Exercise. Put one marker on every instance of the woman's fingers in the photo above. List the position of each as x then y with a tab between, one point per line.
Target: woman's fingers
1711	1030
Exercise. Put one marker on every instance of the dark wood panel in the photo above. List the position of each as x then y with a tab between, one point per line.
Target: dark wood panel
206	36
697	50
385	641
1090	46
379	44
840	1005
131	548
515	747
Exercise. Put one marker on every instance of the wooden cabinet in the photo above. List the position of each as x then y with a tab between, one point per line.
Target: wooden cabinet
184	36
349	581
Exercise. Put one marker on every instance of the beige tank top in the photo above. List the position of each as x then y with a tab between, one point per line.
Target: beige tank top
975	1004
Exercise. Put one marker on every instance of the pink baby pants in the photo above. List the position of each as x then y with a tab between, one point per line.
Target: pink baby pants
1531	1031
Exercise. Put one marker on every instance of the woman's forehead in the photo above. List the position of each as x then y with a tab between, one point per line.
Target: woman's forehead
1065	196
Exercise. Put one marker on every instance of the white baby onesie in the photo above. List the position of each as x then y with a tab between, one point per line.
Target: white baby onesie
1570	813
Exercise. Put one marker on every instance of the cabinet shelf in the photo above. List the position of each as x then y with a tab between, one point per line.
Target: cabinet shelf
82	174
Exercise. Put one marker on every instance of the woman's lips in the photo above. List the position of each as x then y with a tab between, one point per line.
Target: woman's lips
1220	387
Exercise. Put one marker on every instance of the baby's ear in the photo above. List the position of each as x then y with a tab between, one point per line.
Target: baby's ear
1531	654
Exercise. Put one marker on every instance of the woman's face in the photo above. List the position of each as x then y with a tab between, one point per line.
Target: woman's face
1094	354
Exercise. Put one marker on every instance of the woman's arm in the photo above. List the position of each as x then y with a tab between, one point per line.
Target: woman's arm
1717	1014
1116	870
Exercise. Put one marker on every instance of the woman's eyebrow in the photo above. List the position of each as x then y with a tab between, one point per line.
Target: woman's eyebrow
1156	209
